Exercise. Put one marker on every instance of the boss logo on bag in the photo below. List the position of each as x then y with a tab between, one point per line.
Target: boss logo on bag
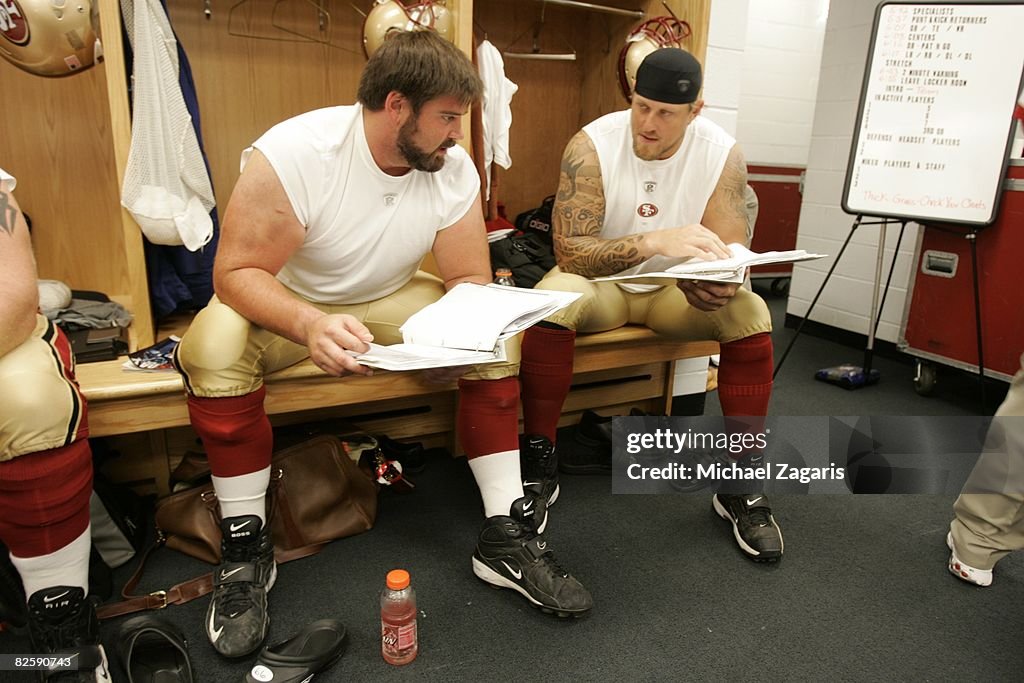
539	225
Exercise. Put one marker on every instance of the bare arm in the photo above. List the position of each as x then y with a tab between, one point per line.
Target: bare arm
726	216
579	215
259	234
461	252
19	291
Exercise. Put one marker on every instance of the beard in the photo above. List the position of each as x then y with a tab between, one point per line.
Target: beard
422	160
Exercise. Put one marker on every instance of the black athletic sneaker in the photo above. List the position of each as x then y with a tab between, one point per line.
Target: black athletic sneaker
62	624
237	619
539	464
591	450
511	554
752	524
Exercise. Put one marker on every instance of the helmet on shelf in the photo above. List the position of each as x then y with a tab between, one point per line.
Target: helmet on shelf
392	15
650	35
49	37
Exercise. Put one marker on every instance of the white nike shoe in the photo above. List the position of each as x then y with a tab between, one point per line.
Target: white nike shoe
964	571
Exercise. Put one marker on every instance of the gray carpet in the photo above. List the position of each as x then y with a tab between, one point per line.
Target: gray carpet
862	593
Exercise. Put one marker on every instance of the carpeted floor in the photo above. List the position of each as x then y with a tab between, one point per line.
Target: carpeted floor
862	593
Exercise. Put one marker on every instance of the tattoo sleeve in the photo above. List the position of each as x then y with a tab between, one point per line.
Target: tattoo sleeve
579	215
726	213
7	214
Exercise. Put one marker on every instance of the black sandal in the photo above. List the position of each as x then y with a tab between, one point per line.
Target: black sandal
153	650
310	651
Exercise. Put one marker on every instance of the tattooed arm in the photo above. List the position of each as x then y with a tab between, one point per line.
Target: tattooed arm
19	292
726	216
578	217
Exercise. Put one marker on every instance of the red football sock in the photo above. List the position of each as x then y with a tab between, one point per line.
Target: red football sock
44	499
745	375
546	375
235	431
488	418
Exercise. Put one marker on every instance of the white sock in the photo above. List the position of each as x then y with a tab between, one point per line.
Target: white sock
68	566
499	480
245	494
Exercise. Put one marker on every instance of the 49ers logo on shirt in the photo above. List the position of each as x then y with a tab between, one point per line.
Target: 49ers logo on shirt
13	24
647	210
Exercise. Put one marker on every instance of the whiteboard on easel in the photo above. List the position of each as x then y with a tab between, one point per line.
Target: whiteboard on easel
935	120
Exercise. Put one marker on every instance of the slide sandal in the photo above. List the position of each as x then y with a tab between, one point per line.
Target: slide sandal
154	650
310	651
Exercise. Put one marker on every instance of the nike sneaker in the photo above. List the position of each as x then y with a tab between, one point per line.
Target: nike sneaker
237	619
539	464
965	572
511	554
63	627
752	524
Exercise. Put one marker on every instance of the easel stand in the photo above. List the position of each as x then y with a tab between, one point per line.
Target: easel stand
876	307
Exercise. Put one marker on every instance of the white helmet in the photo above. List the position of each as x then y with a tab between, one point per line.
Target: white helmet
391	15
49	37
649	36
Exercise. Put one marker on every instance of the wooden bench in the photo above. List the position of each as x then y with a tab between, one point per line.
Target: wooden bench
147	412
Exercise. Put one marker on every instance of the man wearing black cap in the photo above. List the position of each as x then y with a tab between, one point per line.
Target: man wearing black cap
640	190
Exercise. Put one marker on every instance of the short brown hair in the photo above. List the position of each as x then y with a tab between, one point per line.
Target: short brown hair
422	66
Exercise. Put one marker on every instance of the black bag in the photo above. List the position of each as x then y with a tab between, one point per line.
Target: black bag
528	256
537	220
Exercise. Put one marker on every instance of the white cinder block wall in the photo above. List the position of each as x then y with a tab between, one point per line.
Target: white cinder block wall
779	80
846	300
723	65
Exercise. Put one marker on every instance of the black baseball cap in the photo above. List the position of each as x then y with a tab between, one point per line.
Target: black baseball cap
669	75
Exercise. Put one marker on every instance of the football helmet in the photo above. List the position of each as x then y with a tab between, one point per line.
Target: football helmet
649	36
391	15
50	37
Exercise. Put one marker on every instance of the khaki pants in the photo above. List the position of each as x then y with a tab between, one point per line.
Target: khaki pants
606	306
41	406
223	354
988	526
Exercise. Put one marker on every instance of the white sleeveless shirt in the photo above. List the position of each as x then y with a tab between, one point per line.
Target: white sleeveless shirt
366	231
642	196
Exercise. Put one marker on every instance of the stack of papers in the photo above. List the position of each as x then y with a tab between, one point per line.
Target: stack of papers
466	327
722	270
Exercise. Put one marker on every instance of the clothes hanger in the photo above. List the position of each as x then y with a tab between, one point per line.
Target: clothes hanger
535	50
243	27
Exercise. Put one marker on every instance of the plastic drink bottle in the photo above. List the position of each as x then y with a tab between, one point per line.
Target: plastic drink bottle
503	276
398	641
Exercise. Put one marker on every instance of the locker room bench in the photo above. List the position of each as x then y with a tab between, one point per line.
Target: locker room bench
147	413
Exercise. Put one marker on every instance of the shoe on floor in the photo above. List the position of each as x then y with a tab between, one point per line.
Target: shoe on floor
592	448
310	651
153	650
62	624
237	620
753	525
511	554
965	572
539	464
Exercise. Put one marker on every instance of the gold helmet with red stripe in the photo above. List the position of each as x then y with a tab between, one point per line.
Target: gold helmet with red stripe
649	36
392	15
49	37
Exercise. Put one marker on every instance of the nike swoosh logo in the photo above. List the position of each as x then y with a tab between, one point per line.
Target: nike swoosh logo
542	545
751	502
55	597
226	575
236	527
214	633
527	506
513	572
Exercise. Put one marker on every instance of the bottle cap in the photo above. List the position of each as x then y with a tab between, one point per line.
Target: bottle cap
398	579
503	272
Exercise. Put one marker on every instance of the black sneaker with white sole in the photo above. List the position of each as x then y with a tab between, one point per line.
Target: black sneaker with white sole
511	554
539	464
63	628
753	525
237	619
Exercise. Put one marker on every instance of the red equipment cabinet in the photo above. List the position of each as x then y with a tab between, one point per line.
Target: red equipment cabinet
779	190
939	320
